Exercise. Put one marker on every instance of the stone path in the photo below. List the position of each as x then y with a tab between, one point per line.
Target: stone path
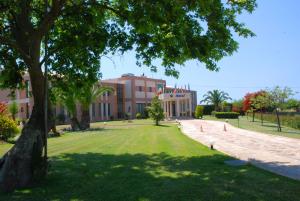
277	154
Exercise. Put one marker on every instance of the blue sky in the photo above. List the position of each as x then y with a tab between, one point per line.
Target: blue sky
269	59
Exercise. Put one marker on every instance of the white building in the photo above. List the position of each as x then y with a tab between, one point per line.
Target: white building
178	103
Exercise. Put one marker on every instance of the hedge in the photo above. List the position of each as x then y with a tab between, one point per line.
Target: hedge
227	115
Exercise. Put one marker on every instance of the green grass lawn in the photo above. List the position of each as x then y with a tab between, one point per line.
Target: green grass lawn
267	127
139	161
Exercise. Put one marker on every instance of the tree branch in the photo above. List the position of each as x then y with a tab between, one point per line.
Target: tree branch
50	17
108	7
117	12
13	45
50	53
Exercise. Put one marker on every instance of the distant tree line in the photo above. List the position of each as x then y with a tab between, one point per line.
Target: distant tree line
275	100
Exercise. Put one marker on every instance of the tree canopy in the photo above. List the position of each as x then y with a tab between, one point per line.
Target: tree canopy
279	96
82	31
76	33
248	100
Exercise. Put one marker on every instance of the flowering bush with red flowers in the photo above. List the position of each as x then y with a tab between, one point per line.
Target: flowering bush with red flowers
247	102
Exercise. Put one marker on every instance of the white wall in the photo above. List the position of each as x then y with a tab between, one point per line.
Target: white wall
139	83
128	89
150	94
128	104
139	94
150	84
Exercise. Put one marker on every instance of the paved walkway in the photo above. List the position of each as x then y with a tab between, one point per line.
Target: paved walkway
277	154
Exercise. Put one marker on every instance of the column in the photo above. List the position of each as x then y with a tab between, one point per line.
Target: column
171	108
102	114
185	107
90	112
180	107
106	112
190	106
168	109
177	108
165	109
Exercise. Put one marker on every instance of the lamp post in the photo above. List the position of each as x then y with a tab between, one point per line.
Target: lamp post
212	143
278	120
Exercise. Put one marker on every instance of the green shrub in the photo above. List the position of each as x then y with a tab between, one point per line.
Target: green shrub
145	114
227	115
213	113
199	112
138	115
8	128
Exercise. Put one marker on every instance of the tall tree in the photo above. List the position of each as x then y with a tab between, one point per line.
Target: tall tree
80	31
215	97
68	98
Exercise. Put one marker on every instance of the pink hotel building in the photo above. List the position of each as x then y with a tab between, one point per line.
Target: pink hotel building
131	95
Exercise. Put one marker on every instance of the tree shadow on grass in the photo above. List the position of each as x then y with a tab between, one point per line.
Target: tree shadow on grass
289	132
283	129
270	125
282	168
157	177
163	125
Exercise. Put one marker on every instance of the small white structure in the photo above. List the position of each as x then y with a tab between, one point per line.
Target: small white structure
176	105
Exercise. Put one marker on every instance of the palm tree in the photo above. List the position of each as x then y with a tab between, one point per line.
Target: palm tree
87	96
68	98
215	97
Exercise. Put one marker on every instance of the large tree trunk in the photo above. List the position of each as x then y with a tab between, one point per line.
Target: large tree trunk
74	124
85	119
53	129
24	164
